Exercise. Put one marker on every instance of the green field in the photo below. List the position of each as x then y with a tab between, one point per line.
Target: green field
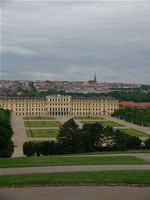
104	123
42	133
42	124
64	161
39	118
141	177
134	132
78	118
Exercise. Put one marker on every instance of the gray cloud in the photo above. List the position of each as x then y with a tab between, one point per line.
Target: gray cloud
73	40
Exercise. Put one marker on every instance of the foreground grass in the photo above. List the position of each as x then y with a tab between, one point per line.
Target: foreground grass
42	123
88	117
134	132
67	161
104	123
39	118
39	133
103	177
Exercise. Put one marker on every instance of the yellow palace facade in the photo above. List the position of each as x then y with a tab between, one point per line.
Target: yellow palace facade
59	105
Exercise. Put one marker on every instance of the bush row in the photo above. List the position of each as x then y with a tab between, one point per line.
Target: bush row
137	116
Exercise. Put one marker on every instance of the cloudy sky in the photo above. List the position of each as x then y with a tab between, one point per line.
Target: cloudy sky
73	40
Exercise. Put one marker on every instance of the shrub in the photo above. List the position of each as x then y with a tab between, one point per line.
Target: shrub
147	143
29	149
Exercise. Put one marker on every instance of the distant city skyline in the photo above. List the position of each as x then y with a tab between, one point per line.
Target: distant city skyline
71	41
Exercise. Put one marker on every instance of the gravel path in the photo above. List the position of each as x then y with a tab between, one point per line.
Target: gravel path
19	136
76	168
76	193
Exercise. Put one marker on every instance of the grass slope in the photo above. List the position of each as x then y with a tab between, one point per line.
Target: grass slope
134	132
64	161
42	123
104	123
39	133
104	177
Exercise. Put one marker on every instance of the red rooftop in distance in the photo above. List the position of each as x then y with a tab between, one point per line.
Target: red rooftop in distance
133	104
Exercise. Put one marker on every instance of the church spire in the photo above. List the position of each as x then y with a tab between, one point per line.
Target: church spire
95	78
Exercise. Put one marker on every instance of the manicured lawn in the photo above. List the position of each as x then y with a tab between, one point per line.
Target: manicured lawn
62	161
104	123
42	123
101	177
134	132
87	118
39	118
42	133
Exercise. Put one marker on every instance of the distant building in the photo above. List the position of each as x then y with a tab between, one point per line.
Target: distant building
60	105
133	104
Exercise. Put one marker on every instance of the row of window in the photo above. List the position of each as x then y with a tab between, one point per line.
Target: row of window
79	104
59	99
28	113
59	113
58	109
30	109
73	105
88	113
58	104
22	105
62	109
88	109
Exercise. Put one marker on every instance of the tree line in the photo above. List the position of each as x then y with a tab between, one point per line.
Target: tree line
136	96
6	132
134	115
89	138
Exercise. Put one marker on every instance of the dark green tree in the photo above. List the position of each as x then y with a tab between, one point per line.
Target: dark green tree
147	143
45	148
6	132
29	149
108	136
70	138
120	140
93	135
133	142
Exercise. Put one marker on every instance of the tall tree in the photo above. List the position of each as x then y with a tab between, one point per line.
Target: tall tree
70	138
6	132
93	135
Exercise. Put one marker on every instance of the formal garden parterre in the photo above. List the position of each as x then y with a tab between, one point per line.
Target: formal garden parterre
41	133
104	123
42	124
